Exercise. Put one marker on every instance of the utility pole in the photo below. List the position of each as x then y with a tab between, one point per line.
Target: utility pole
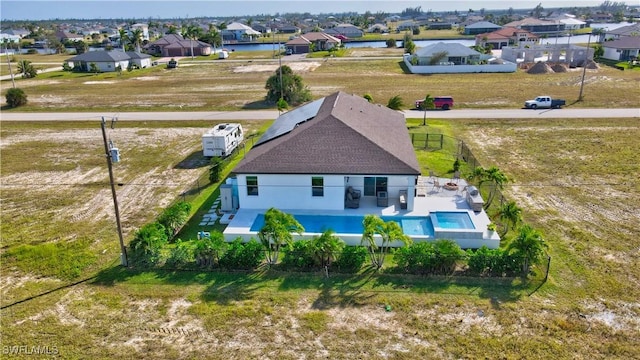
13	81
584	67
280	66
110	151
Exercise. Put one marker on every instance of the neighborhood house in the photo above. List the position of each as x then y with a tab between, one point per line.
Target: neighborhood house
342	157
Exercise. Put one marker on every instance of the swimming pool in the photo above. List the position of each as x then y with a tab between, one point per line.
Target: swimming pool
343	224
452	220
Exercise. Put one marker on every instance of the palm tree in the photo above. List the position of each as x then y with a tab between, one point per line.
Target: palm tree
124	38
395	103
214	37
276	232
498	179
510	214
529	246
326	246
192	32
389	232
426	104
136	38
493	175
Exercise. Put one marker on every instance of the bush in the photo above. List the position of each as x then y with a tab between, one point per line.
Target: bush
299	255
418	258
174	218
180	255
215	171
209	250
351	259
147	243
16	97
492	262
439	257
242	256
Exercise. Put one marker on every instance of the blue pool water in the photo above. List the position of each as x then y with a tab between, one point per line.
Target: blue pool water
411	225
453	220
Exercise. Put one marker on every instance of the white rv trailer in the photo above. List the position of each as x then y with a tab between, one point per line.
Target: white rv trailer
222	139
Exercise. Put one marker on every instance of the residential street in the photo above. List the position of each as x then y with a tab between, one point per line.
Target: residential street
272	114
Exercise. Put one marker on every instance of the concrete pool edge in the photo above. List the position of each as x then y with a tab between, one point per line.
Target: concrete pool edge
467	239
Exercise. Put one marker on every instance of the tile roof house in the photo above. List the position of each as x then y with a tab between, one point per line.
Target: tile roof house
507	36
108	61
480	27
629	30
311	155
538	26
319	41
172	45
348	30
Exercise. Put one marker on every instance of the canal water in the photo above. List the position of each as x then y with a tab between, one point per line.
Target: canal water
577	39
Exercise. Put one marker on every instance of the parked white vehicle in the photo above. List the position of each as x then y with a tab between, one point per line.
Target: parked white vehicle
544	102
222	139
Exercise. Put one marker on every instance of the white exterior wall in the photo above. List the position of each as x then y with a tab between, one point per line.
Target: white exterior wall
460	69
293	192
109	66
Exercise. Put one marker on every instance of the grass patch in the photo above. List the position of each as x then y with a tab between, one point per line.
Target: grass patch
66	260
206	85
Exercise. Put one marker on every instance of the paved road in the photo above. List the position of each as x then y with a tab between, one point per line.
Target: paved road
272	114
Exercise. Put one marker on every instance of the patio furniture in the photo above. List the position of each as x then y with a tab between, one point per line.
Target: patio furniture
432	175
352	198
383	199
474	199
436	185
403	199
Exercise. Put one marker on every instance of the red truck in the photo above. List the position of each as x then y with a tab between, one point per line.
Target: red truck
440	102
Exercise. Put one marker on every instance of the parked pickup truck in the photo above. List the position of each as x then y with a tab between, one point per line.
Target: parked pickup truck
544	102
440	102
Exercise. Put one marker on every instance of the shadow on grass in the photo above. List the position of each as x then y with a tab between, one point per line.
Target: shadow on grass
194	161
497	289
337	290
259	105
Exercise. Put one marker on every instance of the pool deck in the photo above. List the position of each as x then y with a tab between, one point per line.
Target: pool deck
429	200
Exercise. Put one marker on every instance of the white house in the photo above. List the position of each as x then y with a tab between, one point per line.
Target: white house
623	49
312	155
241	32
448	58
107	61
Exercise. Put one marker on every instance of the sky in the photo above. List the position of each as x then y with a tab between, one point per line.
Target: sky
162	9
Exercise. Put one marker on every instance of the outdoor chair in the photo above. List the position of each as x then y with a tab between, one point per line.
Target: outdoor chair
436	185
352	198
432	175
403	199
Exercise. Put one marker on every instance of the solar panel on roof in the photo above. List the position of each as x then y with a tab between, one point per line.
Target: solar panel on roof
289	120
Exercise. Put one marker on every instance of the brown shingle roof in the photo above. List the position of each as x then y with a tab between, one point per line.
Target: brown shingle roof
348	135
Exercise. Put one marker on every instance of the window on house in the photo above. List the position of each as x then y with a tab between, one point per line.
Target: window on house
317	186
252	185
373	185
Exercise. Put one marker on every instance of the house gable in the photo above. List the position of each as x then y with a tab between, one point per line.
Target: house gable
348	135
